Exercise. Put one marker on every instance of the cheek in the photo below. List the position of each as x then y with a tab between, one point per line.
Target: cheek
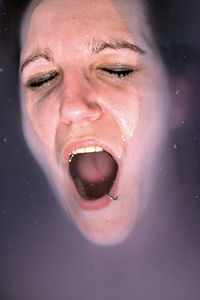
127	115
143	113
43	117
124	106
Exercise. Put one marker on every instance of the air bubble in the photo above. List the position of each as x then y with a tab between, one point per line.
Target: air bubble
177	92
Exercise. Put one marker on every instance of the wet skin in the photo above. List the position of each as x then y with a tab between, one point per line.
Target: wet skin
91	75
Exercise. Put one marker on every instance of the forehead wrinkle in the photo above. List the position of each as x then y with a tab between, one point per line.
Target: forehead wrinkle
94	47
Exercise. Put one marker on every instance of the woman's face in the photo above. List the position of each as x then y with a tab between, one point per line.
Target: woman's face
92	82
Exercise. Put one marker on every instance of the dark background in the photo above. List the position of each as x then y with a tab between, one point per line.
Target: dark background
44	257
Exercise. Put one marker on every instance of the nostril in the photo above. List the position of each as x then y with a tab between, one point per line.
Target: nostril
95	112
76	111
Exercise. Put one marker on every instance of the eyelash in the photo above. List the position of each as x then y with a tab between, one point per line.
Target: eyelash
38	82
119	72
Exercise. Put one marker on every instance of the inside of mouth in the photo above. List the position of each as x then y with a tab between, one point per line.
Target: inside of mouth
93	174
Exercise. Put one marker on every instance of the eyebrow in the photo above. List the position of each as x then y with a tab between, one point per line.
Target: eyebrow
39	54
94	47
97	46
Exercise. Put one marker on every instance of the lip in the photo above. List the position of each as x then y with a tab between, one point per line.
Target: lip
81	143
83	203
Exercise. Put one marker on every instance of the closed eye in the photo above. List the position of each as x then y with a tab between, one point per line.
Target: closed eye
41	80
120	73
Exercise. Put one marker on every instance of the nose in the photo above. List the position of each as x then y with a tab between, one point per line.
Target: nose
79	103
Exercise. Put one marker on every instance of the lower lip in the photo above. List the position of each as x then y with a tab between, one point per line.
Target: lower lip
94	204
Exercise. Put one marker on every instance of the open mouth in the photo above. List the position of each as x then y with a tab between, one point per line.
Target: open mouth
93	171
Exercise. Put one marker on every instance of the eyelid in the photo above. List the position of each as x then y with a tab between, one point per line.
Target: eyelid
120	71
118	67
40	79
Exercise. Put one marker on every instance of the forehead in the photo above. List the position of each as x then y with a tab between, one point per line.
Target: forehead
86	16
129	6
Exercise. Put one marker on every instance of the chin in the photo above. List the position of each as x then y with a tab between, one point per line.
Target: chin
106	227
105	236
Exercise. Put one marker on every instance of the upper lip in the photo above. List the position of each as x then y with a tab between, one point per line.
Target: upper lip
85	142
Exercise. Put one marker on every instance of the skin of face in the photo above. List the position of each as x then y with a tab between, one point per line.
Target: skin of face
75	43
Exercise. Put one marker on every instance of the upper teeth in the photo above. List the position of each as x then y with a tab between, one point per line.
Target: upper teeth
87	150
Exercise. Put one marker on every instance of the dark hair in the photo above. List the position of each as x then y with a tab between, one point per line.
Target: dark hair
11	16
175	28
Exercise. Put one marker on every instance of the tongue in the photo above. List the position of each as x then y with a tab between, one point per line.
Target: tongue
97	166
93	173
